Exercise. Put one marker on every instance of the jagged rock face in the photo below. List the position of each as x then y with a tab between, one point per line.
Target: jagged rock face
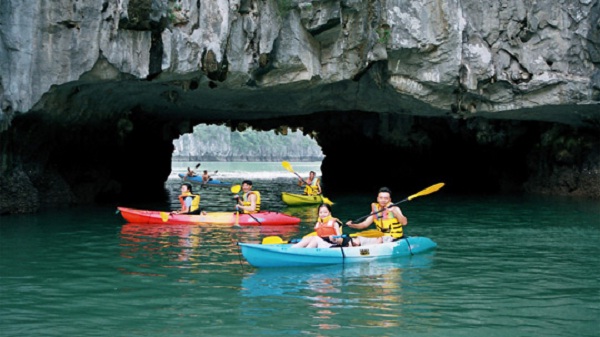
217	143
117	76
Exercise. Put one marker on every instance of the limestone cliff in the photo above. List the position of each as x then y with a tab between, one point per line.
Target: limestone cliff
509	91
216	143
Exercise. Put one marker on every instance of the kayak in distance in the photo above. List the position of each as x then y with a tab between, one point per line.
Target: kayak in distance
292	199
262	218
198	181
283	255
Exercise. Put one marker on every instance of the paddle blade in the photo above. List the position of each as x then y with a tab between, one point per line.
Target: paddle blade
272	240
197	165
286	165
164	216
428	190
236	189
370	233
327	201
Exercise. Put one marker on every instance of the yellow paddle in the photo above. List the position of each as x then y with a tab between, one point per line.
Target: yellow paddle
276	240
428	190
235	189
273	240
286	165
164	216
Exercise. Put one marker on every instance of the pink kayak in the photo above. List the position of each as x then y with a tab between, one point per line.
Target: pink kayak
262	218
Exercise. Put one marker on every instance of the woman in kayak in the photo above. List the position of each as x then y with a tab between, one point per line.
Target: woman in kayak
190	203
313	185
388	219
327	228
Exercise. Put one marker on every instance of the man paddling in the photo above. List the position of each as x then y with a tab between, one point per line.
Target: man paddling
387	218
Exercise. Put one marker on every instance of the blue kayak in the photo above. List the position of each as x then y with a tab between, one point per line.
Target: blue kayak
283	255
197	180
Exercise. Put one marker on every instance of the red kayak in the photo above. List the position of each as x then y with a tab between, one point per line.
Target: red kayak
262	218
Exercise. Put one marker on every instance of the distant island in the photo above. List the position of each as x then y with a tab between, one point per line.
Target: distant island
219	143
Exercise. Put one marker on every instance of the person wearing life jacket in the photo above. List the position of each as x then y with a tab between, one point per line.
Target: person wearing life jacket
190	203
313	184
387	218
327	227
250	201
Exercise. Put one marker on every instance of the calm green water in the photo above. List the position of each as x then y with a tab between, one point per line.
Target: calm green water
505	266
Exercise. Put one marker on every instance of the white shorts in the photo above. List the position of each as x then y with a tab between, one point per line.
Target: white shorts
324	244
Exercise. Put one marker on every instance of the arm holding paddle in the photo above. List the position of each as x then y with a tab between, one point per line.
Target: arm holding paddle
369	220
286	165
390	222
240	205
313	185
309	190
190	172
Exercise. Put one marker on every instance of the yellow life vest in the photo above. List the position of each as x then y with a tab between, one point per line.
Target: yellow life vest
386	222
195	201
312	189
246	202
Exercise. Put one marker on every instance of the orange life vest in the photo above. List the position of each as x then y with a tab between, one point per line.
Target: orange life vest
326	227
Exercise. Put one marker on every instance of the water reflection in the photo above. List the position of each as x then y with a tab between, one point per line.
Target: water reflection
306	213
323	280
331	296
185	246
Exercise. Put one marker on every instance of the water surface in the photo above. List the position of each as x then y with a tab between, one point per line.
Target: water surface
504	266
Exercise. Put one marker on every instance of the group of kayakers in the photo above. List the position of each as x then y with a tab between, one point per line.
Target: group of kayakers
387	217
247	203
205	176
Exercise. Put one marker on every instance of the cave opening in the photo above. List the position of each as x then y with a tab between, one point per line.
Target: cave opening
233	153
